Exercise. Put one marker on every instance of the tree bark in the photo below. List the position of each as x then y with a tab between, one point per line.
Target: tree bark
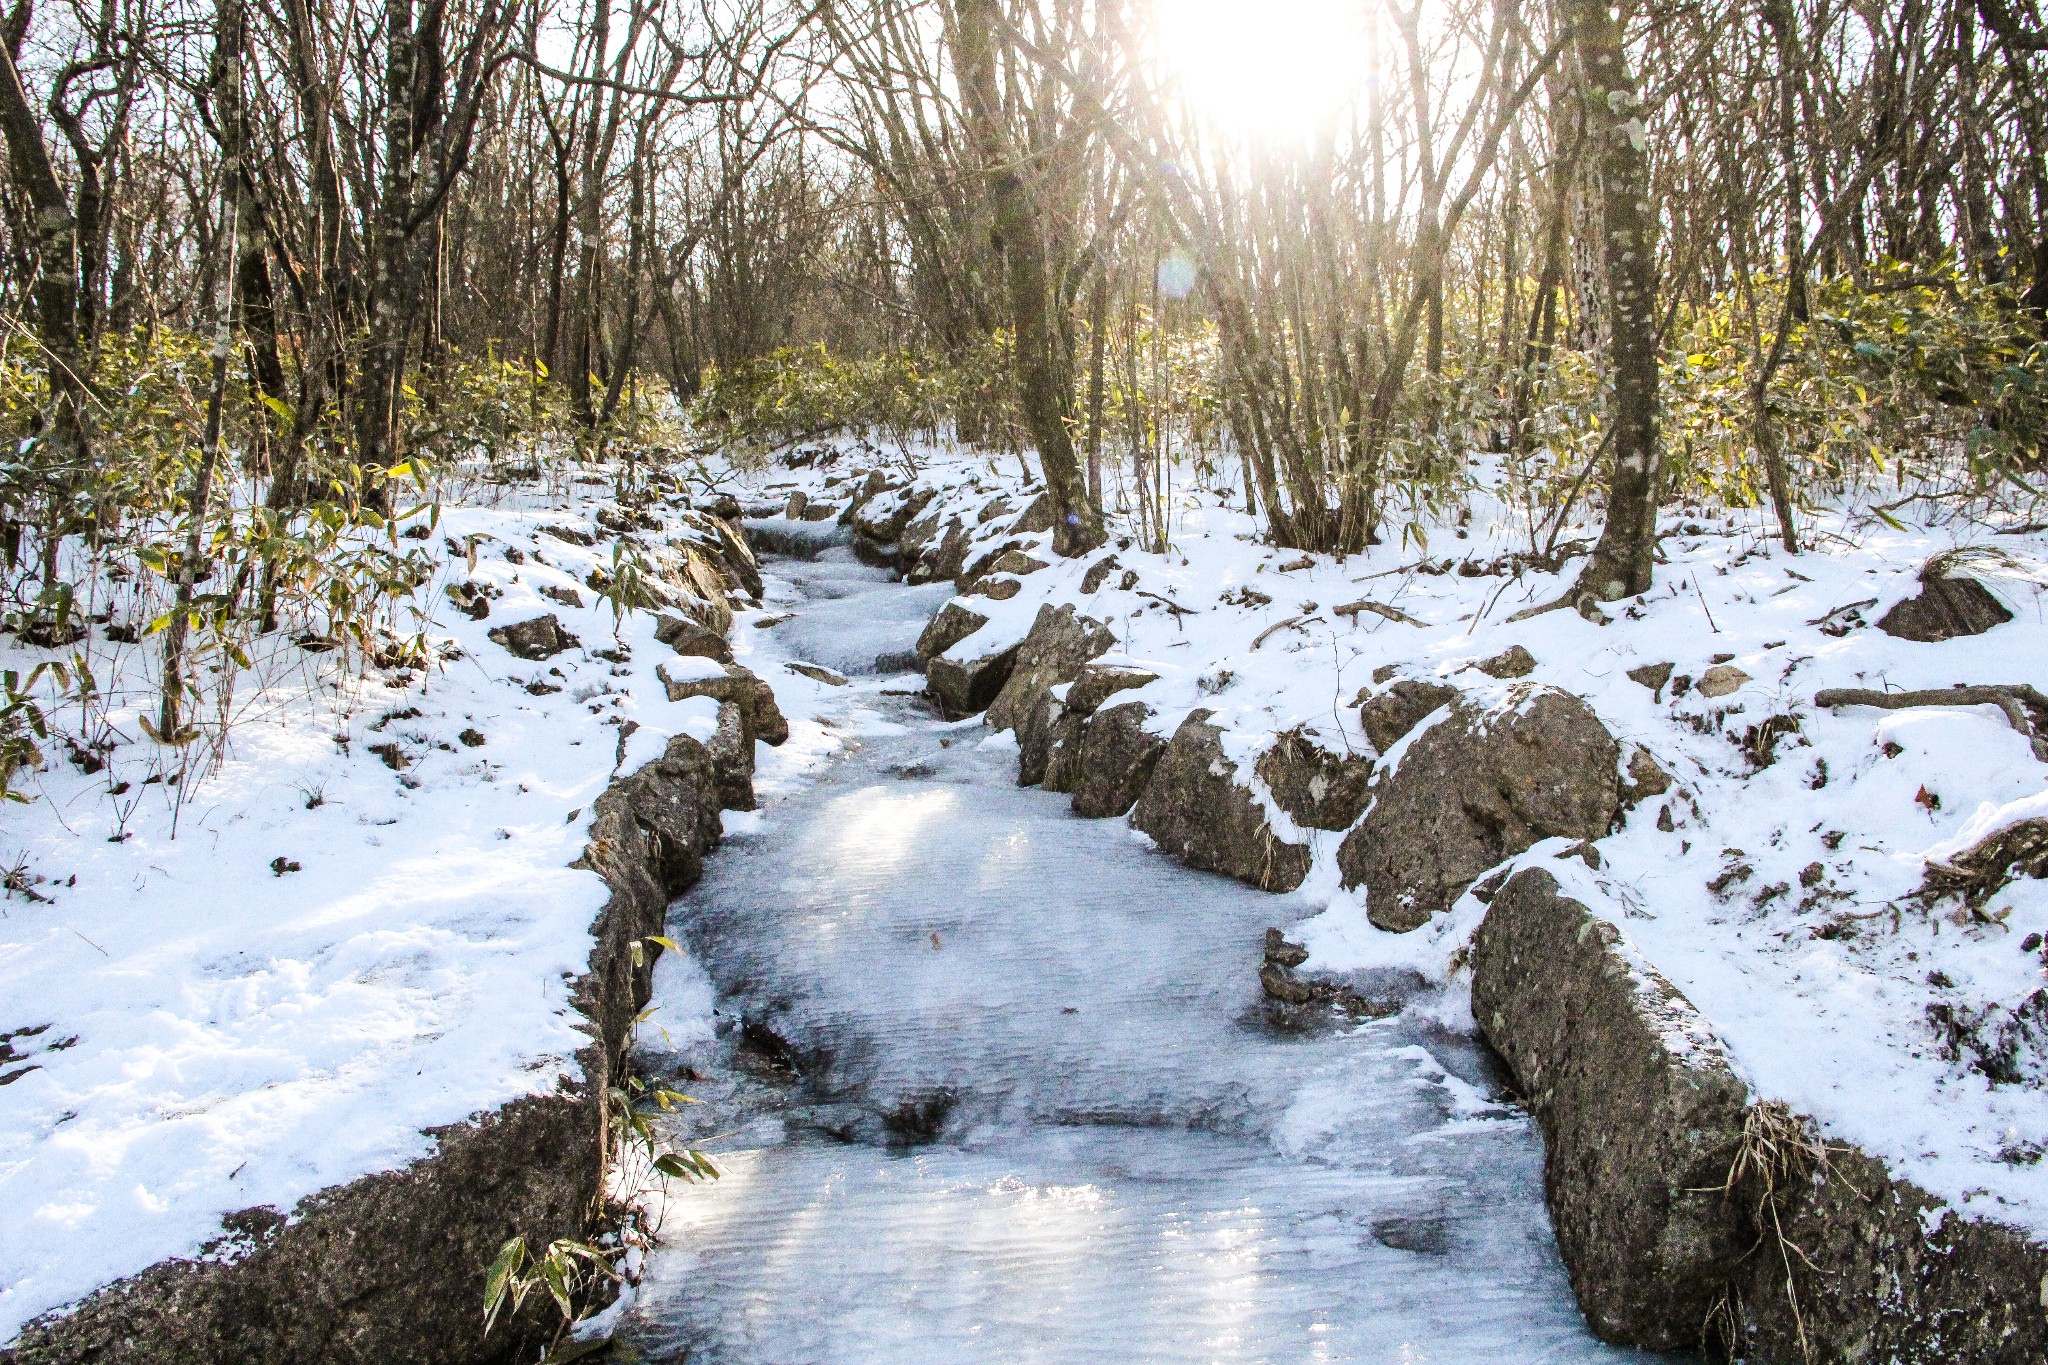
1043	354
1620	565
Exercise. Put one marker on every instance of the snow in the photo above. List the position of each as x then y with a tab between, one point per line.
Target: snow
1820	992
189	1033
216	1036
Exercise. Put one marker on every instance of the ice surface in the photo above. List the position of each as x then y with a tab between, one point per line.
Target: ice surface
847	624
1037	1112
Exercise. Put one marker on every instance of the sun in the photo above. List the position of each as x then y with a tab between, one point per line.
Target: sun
1269	71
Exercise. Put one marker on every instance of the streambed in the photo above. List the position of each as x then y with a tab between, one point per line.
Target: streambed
988	1082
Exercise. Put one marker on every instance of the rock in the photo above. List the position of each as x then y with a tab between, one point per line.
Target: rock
817	673
1049	738
732	683
1652	676
1645	777
883	519
1399	709
945	559
1280	984
1060	643
570	535
1513	662
540	638
1721	679
1952	601
985	580
1640	1108
469	599
1116	760
1099	682
1128	581
732	756
998	506
1642	1119
1038	516
690	639
567	597
963	686
798	504
952	624
729	546
1317	787
1098	574
1477	787
1194	806
1283	953
877	555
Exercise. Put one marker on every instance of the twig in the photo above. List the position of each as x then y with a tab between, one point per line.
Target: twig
1842	611
1703	603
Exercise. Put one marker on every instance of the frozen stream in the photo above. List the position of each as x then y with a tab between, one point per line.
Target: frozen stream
992	1083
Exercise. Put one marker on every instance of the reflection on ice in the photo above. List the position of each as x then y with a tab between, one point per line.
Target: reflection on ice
997	1086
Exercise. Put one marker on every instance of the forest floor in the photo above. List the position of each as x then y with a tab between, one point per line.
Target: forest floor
230	981
233	978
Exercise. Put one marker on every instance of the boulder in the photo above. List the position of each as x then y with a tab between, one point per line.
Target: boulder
962	686
542	637
1399	709
1116	760
1952	601
1049	738
733	683
988	579
884	519
1318	787
944	558
730	547
1193	805
1061	642
1835	1259
877	554
952	624
1479	786
1640	1109
1098	574
691	639
1038	516
1652	676
732	758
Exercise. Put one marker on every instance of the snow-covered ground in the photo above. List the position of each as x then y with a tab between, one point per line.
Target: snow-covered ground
1776	900
271	976
235	986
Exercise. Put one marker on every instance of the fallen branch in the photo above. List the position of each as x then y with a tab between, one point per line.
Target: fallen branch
1279	626
1351	609
1842	611
2024	706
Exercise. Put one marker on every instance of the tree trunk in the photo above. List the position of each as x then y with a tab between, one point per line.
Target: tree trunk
1621	562
1043	354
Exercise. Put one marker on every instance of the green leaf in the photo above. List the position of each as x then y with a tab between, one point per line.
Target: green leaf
498	1281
